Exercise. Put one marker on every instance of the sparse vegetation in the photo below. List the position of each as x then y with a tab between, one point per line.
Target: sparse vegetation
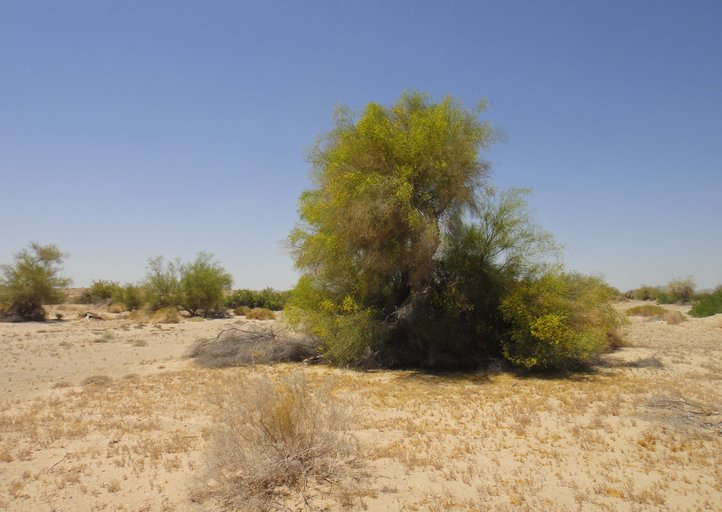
31	281
271	442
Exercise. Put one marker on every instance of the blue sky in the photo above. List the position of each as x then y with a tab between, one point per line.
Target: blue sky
135	129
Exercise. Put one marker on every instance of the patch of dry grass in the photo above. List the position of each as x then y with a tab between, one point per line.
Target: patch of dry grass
260	314
273	443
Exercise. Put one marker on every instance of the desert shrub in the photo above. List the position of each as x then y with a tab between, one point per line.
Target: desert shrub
97	380
644	292
674	317
558	321
198	287
31	281
649	310
267	298
260	314
681	290
162	283
99	291
241	310
252	345
117	308
131	296
168	315
202	286
708	305
271	443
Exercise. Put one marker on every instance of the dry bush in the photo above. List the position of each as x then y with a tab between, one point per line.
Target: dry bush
241	310
97	380
260	314
252	345
117	308
273	444
674	317
166	316
648	310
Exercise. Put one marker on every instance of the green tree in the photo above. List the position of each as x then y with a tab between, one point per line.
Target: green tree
407	252
33	280
202	286
162	283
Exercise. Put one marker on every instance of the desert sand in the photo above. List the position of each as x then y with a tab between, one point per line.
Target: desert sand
110	415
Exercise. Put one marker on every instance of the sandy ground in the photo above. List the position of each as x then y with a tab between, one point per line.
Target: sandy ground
109	415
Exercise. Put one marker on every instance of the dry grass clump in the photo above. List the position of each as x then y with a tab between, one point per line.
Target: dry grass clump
241	311
260	314
654	312
166	316
250	346
648	310
117	307
97	380
674	317
273	444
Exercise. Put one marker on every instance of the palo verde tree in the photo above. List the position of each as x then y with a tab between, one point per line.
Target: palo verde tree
33	280
198	287
203	284
406	249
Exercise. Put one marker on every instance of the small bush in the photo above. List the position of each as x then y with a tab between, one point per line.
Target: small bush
117	308
272	443
681	290
241	310
250	346
260	314
558	321
644	292
97	380
167	315
674	317
647	310
98	292
708	305
131	296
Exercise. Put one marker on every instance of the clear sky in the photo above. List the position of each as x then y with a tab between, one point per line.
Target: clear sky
131	129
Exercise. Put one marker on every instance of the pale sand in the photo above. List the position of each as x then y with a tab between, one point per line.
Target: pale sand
642	433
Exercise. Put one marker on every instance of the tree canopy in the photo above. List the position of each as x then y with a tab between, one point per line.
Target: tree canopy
406	249
33	280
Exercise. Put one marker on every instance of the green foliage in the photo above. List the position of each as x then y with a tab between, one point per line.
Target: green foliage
651	310
162	283
708	305
267	298
558	321
202	285
32	280
99	291
130	295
